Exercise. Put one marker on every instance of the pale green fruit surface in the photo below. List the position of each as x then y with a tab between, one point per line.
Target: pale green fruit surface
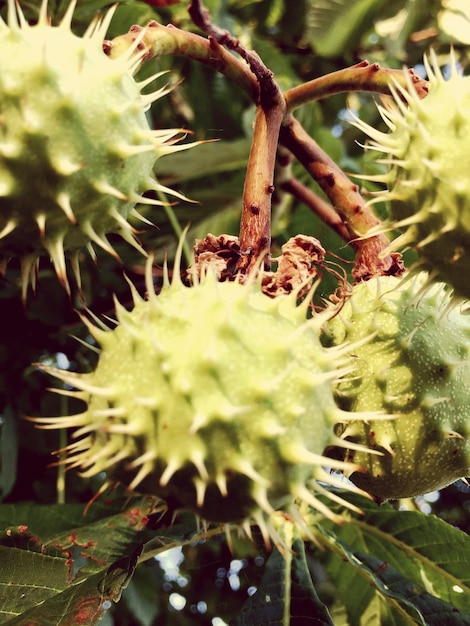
76	149
214	397
417	367
427	154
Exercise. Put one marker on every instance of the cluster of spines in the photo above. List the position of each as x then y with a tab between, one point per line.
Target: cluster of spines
92	455
154	142
415	368
421	212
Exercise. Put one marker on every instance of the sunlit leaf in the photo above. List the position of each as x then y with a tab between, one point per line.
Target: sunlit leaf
454	19
414	561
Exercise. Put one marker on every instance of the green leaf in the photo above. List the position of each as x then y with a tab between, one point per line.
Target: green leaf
430	610
286	596
417	563
205	160
51	552
60	566
336	26
454	20
84	603
100	535
413	603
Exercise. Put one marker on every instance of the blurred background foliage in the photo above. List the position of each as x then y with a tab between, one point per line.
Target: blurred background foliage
299	41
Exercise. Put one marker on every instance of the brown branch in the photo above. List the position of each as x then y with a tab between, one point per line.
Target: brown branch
345	198
256	80
343	194
156	40
319	206
363	76
201	18
255	224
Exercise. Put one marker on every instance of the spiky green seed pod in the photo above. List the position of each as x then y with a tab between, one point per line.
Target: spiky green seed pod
427	154
76	149
214	397
417	367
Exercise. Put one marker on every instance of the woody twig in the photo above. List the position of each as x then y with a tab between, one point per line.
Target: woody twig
255	225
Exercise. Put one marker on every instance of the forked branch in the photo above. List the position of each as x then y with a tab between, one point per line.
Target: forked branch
275	125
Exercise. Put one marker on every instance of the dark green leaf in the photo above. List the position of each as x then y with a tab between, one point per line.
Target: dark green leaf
8	451
286	596
205	160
